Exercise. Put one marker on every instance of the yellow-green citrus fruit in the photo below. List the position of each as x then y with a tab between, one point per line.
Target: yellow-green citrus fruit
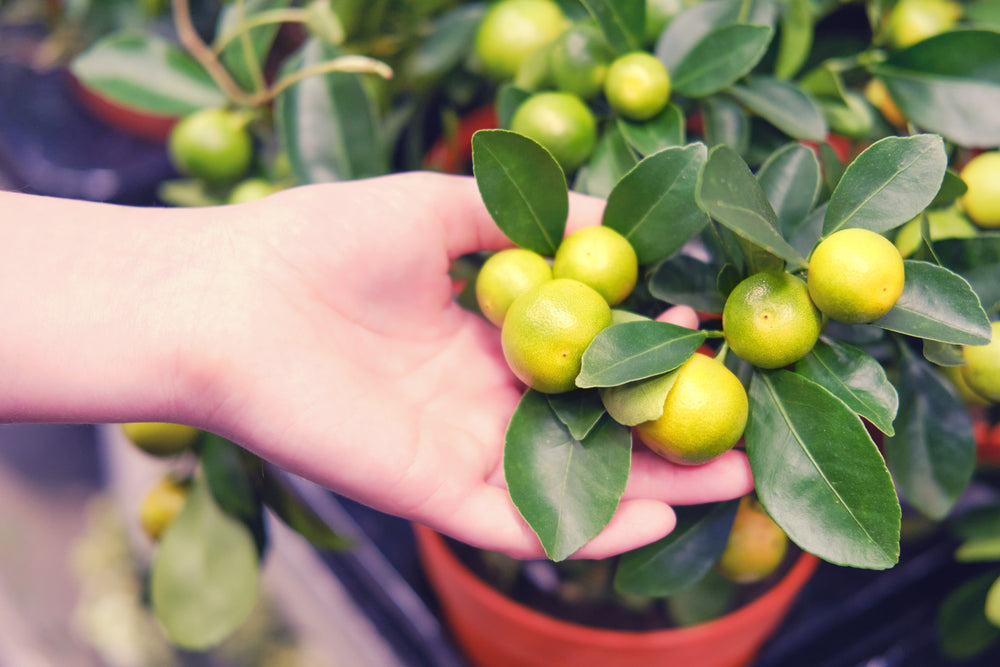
879	96
161	439
600	257
770	321
982	367
579	60
965	392
507	275
756	545
511	30
213	145
912	21
982	199
704	413
562	123
855	275
547	330
161	505
637	85
252	189
947	223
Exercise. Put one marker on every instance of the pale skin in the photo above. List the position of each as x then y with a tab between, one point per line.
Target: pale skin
317	328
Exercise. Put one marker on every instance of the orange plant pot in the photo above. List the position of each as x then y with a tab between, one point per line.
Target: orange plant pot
142	124
495	631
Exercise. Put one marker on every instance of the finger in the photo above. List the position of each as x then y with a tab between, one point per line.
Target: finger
723	478
682	316
636	523
487	519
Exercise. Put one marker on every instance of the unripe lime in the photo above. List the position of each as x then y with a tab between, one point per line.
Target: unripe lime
213	145
505	276
562	123
637	85
512	30
161	439
600	257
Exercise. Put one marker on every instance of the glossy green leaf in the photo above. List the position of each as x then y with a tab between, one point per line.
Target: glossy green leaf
509	98
978	261
637	402
818	473
943	354
622	21
204	578
833	168
566	489
445	47
952	187
721	58
728	191
653	205
795	38
244	55
296	513
523	187
682	557
893	180
933	454
962	627
784	105
230	472
804	236
687	280
661	131
856	378
725	121
147	73
949	84
937	304
578	410
612	159
690	26
328	124
791	178
636	350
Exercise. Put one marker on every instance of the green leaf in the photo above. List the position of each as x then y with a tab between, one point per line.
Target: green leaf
937	304
204	577
893	180
949	84
230	472
728	191
622	21
612	159
566	489
952	187
721	58
978	261
244	57
687	280
653	205
943	354
978	523
983	550
962	627
705	600
664	130
795	39
637	402
147	73
297	514
791	178
690	26
784	105
635	351
804	236
523	188
807	449
725	122
578	410
933	454
681	558
444	48
328	124
854	377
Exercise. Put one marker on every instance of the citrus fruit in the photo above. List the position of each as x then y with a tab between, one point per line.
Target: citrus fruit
161	438
579	60
912	21
511	30
562	123
946	223
982	367
659	13
160	505
770	321
965	392
756	545
982	199
505	276
855	275
881	99
213	145
252	189
637	85
601	258
547	330
704	413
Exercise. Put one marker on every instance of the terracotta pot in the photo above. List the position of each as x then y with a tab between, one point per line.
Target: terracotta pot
495	631
138	123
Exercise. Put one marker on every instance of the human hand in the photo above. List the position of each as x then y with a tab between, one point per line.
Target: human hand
336	350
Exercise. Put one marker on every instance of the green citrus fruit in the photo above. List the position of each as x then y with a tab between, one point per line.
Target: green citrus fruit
213	145
769	319
161	505
704	413
879	96
982	367
912	21
637	85
562	123
855	275
946	223
507	275
511	30
161	438
756	545
252	189
547	330
600	257
579	60
982	199
965	392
